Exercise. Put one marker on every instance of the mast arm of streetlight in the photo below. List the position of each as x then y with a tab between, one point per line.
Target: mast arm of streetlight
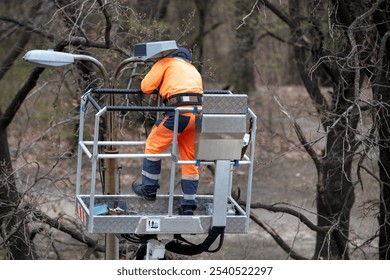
123	64
107	81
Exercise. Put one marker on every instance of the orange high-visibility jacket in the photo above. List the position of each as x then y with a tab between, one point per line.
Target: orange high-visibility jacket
171	76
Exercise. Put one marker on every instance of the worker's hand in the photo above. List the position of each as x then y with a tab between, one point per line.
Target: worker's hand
155	93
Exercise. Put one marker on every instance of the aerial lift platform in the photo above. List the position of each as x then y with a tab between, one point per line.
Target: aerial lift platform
225	139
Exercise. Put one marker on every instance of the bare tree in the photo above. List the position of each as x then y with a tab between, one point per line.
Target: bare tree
382	119
355	51
15	232
17	235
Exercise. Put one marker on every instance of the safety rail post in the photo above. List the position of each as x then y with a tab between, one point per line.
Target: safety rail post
251	166
173	162
83	105
94	160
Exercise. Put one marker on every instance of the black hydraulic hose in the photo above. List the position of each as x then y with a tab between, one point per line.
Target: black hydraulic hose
141	252
192	249
138	238
219	245
141	108
116	91
217	91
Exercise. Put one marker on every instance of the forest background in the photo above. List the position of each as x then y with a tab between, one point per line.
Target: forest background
316	73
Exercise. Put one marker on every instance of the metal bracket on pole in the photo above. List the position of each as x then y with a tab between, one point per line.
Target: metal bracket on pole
155	250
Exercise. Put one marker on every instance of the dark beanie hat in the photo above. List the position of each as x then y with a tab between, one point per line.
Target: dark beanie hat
182	52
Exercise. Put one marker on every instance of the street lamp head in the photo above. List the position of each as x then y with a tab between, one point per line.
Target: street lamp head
154	50
46	58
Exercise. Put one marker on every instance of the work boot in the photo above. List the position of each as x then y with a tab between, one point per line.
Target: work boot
187	210
148	193
188	201
150	174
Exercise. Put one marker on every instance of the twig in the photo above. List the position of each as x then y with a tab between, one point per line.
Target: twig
301	137
277	238
55	223
248	15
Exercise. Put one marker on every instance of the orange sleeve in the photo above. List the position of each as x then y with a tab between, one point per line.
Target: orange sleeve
153	79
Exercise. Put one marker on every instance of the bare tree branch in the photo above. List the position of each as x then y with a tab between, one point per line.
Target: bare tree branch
75	234
354	54
17	101
301	137
107	33
27	26
277	238
292	212
248	15
14	53
278	12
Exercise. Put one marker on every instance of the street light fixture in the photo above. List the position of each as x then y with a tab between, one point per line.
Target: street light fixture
51	58
48	58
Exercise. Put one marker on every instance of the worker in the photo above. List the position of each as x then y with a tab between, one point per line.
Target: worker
179	85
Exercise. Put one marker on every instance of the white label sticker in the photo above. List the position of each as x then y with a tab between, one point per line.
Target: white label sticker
153	224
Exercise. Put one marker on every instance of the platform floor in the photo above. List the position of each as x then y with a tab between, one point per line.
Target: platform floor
132	214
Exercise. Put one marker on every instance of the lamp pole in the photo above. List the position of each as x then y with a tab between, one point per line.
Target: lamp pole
46	58
111	180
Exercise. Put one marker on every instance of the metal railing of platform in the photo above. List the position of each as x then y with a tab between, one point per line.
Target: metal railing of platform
91	149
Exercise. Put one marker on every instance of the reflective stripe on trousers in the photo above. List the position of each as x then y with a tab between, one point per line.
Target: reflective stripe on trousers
150	172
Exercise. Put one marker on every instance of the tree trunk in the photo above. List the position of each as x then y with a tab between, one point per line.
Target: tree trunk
381	96
14	230
334	202
384	167
243	67
203	7
13	222
335	195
